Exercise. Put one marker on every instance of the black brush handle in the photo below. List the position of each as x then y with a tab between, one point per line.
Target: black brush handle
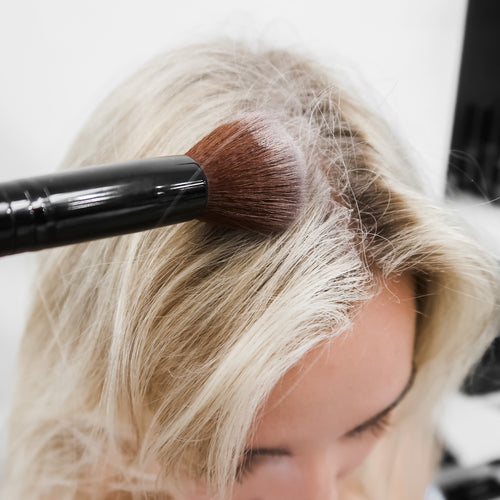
96	202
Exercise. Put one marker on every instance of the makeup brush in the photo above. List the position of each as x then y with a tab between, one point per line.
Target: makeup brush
246	174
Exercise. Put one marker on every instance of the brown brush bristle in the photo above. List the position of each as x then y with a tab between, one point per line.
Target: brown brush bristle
255	174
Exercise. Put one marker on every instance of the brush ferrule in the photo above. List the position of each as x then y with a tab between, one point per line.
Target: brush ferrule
95	202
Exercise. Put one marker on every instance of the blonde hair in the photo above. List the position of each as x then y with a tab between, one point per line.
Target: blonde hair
159	347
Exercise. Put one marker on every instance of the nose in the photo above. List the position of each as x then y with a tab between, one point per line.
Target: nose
321	477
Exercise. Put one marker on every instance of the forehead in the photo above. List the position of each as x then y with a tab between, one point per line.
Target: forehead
346	380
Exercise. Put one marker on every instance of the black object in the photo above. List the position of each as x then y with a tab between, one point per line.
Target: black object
474	489
485	378
96	202
474	161
470	483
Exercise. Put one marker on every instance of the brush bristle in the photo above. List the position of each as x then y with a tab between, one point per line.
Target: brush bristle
255	174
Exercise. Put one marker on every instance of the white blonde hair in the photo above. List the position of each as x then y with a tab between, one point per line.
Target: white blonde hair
159	347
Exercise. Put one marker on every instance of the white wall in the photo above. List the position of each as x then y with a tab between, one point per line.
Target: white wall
59	58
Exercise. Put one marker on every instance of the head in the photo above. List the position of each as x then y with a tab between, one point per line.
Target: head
155	361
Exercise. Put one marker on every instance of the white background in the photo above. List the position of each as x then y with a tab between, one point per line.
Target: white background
59	58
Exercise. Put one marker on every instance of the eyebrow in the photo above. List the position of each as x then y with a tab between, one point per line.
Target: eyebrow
282	452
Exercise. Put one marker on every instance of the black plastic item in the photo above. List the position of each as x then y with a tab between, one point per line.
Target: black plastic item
474	162
474	489
447	459
485	378
469	483
96	202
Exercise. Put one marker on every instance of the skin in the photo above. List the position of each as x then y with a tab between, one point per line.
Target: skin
311	413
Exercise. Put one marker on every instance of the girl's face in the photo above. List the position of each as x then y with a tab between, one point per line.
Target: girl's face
325	415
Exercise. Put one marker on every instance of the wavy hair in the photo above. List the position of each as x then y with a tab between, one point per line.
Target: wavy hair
146	356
